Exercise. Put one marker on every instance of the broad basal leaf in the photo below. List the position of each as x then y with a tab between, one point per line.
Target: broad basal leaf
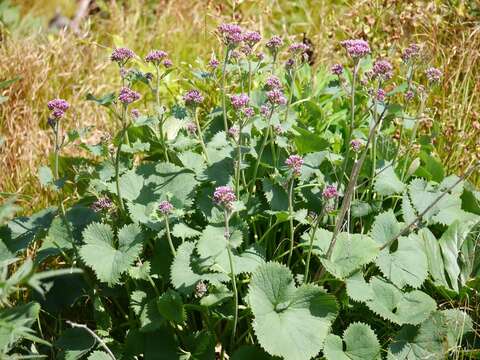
107	259
389	302
288	321
406	264
433	339
387	182
187	270
434	257
361	343
350	253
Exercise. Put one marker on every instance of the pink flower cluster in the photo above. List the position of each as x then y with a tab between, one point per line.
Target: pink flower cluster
122	55
128	96
103	203
411	52
252	37
213	63
165	207
58	107
191	128
356	145
382	69
156	56
248	112
381	94
330	192
232	34
239	101
294	163
356	48
274	43
337	69
276	97
193	98
298	48
433	74
273	82
224	196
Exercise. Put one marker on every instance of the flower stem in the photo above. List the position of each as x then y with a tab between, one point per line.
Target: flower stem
200	135
290	215
160	118
260	153
169	237
117	160
310	245
224	106
232	275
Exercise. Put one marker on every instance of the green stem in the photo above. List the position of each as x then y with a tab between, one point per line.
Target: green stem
117	160
260	153
310	245
224	106
169	237
160	118
60	192
239	162
290	211
200	135
352	121
234	281
290	98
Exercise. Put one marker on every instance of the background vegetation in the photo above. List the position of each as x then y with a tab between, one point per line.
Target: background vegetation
50	63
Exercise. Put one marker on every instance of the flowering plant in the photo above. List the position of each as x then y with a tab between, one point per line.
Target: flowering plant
298	215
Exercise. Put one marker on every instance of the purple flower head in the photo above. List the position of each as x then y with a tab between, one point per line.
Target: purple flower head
122	55
330	192
356	145
231	34
248	112
279	130
276	97
433	74
290	63
409	95
213	63
246	50
58	107
274	43
234	131
135	113
128	96
297	48
167	63
165	207
224	196
382	69
252	37
239	101
356	48
381	94
265	109
337	69
103	203
273	82
260	56
235	55
193	98
294	163
156	56
411	52
191	128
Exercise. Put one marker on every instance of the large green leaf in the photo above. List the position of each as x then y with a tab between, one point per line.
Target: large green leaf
389	302
361	343
387	182
451	244
406	264
187	270
433	339
288	321
434	257
107	259
350	253
75	343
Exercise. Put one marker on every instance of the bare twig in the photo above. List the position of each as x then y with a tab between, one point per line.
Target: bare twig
95	336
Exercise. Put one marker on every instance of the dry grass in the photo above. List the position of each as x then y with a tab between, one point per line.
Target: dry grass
69	66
